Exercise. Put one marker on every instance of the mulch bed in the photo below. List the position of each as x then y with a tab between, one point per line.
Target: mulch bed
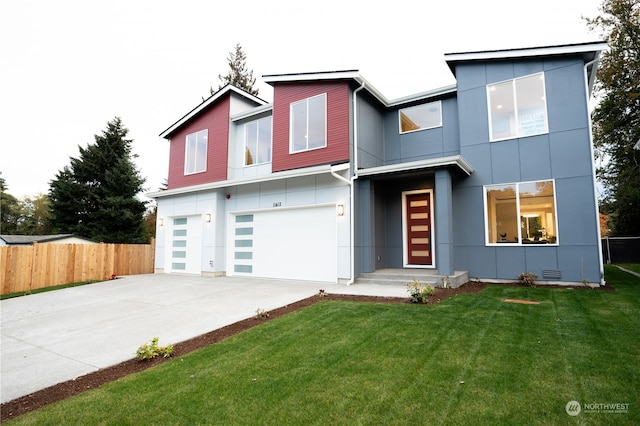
27	403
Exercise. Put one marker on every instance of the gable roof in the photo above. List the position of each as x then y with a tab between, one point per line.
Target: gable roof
228	88
25	240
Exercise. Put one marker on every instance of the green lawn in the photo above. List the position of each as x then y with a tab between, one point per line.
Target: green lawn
470	360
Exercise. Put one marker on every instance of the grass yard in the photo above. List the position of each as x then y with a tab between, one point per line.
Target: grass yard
471	359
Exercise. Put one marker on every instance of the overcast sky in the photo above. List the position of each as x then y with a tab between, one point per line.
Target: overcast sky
67	67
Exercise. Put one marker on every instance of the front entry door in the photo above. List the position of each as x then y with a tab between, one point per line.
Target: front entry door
418	225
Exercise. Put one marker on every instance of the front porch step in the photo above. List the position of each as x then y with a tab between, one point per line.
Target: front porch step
402	277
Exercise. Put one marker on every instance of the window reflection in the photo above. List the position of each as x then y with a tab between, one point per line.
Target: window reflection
521	213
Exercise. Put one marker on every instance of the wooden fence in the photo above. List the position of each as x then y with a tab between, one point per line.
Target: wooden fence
45	265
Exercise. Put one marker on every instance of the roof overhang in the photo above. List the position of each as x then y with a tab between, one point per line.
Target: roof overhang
206	103
287	174
355	76
455	161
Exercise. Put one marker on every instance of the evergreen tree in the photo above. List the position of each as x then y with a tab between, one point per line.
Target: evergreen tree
238	74
9	211
616	119
95	196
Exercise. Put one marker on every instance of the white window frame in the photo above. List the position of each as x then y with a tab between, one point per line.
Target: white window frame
417	108
519	243
201	136
517	124
259	123
291	125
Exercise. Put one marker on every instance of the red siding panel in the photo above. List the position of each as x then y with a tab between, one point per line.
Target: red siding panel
337	148
216	120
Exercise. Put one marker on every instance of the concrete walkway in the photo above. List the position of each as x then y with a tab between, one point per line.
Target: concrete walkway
52	337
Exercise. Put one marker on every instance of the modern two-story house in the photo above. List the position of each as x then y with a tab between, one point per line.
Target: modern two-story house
486	179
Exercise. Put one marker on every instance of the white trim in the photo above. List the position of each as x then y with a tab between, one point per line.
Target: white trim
244	152
291	124
195	152
191	114
453	160
517	190
405	254
526	52
515	106
287	174
439	103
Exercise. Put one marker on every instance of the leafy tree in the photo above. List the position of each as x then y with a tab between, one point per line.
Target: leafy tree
616	119
34	215
9	211
95	196
238	74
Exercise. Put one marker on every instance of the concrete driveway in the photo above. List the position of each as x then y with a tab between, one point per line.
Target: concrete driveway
52	337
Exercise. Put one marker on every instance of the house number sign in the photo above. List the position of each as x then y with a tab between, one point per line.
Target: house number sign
277	204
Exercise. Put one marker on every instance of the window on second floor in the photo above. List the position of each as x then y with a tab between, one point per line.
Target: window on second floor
521	213
257	148
195	159
420	117
517	108
308	124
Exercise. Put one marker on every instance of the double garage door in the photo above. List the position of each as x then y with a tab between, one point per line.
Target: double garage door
298	244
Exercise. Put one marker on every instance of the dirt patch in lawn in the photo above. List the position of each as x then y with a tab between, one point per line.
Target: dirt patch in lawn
12	409
522	302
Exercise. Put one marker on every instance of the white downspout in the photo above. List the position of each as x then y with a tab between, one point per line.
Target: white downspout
593	166
351	184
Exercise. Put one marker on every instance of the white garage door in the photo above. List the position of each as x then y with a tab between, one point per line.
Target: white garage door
184	248
296	244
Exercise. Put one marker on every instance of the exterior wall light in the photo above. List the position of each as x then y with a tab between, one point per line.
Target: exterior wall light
161	221
340	209
207	217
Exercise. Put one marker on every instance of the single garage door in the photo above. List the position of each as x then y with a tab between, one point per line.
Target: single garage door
299	244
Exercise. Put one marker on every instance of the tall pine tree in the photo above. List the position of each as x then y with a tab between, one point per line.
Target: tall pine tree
616	119
238	74
95	195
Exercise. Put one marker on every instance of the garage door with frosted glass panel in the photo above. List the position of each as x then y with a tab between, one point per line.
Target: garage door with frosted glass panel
296	244
184	248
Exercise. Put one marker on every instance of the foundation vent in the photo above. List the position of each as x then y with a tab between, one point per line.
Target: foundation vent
551	274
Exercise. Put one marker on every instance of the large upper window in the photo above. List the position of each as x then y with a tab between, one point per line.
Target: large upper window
257	148
195	159
420	117
521	213
517	107
309	124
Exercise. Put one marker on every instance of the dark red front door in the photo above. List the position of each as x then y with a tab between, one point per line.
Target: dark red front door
419	229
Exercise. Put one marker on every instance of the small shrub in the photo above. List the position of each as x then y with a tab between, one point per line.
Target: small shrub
322	293
419	293
152	350
527	278
261	314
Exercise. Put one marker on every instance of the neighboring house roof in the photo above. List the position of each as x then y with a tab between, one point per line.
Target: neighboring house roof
590	55
27	240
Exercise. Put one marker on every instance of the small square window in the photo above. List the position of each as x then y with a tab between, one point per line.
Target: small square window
420	117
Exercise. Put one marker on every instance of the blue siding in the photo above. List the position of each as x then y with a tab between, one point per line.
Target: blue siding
423	144
564	154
